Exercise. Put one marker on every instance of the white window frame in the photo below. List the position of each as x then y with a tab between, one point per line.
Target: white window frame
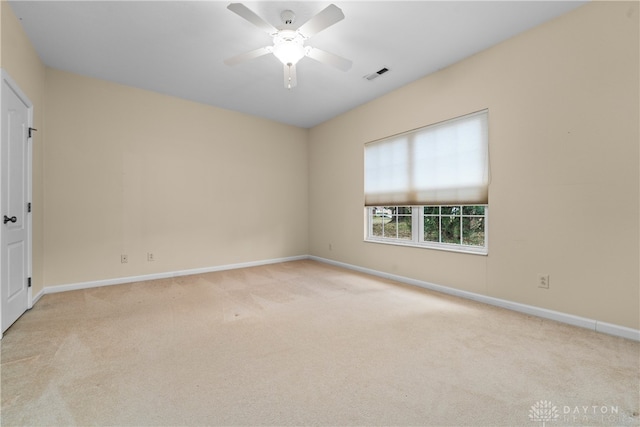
417	231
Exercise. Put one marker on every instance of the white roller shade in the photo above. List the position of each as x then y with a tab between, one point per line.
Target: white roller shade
445	163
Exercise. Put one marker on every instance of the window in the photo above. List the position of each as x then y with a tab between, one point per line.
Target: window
394	222
430	186
453	227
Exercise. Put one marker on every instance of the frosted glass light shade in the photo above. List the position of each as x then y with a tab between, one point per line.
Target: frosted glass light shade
289	52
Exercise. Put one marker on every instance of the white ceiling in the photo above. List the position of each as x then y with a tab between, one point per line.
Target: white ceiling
178	47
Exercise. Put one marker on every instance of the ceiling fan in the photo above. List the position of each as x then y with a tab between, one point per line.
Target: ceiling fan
288	41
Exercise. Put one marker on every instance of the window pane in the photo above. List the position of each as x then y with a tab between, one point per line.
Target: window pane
431	229
379	216
390	229
450	210
404	227
382	211
473	210
431	210
450	229
473	231
377	227
404	210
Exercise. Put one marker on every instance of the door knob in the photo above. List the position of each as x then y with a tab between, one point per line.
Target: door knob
12	219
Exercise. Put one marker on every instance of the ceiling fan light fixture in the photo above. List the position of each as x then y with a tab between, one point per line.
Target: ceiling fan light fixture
288	41
288	47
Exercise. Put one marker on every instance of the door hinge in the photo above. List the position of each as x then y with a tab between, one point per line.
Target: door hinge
29	207
29	282
32	130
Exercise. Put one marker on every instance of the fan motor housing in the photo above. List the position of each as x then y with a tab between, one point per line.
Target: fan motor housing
288	17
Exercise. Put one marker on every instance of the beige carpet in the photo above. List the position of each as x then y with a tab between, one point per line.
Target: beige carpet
303	343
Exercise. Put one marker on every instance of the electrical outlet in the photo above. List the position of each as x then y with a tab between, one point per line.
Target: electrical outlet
543	281
150	256
124	258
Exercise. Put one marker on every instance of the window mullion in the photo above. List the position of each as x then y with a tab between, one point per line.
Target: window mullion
397	224
416	220
461	229
439	224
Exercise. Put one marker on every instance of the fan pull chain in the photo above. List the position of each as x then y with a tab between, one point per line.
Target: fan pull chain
289	78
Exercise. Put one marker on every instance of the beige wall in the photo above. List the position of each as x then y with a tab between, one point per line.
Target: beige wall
129	172
563	109
20	60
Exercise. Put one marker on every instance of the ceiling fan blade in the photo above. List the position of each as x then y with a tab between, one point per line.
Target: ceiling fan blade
246	13
329	58
248	55
290	79
325	18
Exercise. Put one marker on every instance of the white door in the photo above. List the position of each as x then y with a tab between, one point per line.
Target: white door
15	228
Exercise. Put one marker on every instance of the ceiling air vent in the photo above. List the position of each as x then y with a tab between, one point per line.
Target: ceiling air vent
377	74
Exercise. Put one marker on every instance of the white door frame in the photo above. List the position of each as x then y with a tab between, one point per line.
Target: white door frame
6	78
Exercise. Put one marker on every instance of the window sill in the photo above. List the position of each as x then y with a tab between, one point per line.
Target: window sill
437	247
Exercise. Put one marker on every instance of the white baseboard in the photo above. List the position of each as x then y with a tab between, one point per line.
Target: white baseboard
595	325
617	330
37	297
131	279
